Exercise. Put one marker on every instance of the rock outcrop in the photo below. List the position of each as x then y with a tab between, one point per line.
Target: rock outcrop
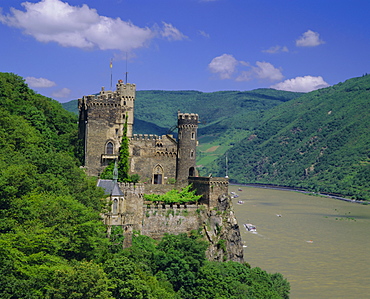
222	231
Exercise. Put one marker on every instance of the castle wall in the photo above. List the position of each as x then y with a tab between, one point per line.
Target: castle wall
152	155
161	219
211	188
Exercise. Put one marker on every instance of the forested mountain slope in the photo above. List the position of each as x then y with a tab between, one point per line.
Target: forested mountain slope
319	141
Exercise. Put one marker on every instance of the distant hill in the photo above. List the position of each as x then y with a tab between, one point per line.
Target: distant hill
319	141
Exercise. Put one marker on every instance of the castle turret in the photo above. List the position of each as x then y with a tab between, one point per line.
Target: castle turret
187	124
101	121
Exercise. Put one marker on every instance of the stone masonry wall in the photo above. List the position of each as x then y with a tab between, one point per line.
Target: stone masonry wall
151	154
161	219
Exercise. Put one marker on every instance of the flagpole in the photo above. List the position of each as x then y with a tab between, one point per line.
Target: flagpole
126	68
111	66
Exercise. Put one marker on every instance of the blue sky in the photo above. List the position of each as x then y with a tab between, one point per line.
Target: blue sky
64	48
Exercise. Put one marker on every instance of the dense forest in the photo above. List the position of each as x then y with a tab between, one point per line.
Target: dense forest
53	243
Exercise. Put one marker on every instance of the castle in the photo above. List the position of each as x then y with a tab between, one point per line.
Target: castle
159	161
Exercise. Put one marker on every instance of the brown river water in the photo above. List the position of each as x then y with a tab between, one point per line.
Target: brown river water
321	245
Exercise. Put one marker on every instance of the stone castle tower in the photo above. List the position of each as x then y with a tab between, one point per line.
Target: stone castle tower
187	141
101	121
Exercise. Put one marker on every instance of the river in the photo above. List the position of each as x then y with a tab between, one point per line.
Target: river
321	245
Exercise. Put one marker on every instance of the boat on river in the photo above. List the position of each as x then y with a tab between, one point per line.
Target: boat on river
250	227
234	195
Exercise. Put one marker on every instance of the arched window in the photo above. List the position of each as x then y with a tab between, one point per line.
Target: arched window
157	174
109	148
115	206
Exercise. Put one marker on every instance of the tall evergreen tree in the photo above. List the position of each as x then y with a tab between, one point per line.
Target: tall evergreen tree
123	161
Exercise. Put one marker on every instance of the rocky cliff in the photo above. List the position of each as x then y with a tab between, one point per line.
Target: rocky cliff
222	231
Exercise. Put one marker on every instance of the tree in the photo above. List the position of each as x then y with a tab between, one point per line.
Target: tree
123	161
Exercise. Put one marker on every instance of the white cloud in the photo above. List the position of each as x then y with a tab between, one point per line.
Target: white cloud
78	26
276	49
171	33
301	84
39	82
309	39
62	93
203	33
224	66
263	70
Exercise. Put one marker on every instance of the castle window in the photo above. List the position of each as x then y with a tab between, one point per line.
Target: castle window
116	131
115	206
157	175
192	135
192	154
109	148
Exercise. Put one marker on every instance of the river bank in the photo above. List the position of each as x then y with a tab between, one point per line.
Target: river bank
284	188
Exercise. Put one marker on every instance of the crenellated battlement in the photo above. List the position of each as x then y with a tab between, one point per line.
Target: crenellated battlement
142	137
187	120
149	205
124	95
190	116
125	89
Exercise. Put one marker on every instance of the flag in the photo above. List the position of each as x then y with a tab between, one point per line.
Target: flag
111	64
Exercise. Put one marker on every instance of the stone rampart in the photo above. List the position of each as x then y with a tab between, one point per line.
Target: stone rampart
172	219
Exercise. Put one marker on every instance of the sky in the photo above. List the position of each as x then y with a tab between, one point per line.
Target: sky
68	49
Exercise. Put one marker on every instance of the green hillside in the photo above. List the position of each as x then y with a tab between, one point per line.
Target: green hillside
319	141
